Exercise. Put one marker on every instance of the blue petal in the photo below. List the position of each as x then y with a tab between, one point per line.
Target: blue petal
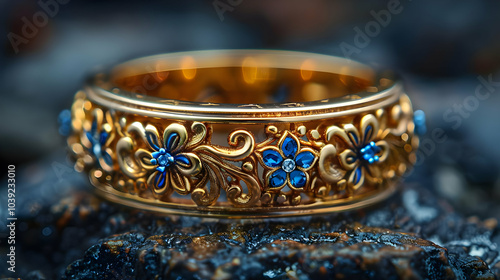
107	158
93	129
152	140
172	140
182	159
160	168
277	178
159	180
271	158
298	178
90	137
153	161
353	137
368	132
103	137
155	154
357	175
289	147
304	159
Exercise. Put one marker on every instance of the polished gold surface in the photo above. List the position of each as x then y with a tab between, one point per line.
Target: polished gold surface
241	133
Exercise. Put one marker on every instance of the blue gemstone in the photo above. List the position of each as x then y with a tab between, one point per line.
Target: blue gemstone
304	159
369	152
298	178
277	179
289	147
160	168
96	149
165	160
271	158
288	165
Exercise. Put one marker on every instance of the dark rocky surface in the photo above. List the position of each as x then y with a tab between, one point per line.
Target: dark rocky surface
66	232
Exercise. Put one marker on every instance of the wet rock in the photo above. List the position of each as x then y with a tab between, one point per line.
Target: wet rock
73	234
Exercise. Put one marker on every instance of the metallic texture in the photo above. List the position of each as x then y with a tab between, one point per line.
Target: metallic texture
149	134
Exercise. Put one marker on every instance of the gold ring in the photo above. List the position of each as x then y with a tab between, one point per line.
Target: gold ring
243	133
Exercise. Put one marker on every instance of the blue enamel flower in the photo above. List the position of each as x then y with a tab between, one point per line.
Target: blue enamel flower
362	150
172	164
288	164
99	136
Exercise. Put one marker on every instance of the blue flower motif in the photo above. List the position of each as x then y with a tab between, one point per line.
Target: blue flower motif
361	150
99	136
369	152
288	164
173	166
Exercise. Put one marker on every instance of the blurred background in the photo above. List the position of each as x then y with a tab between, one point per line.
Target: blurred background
448	53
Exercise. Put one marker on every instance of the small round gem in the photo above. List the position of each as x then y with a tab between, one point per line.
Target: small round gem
369	152
288	165
96	149
165	160
277	178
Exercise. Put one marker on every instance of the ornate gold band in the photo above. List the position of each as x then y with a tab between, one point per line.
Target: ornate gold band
243	133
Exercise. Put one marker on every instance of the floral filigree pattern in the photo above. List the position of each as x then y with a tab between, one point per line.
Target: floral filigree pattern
98	138
287	163
173	166
295	164
359	152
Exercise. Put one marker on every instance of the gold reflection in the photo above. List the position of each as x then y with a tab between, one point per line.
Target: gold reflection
344	76
249	70
160	74
314	91
306	69
254	70
188	66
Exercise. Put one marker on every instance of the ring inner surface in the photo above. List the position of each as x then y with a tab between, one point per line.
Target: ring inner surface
246	79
